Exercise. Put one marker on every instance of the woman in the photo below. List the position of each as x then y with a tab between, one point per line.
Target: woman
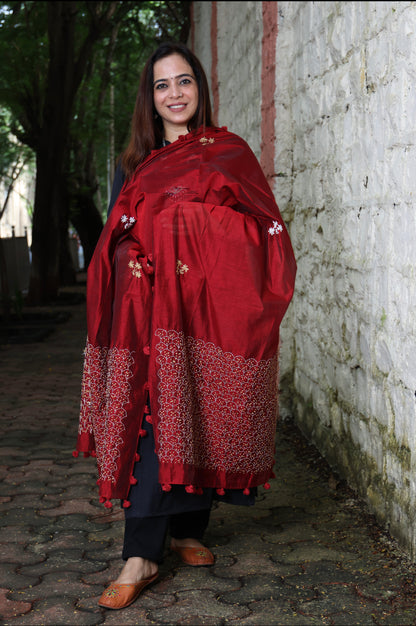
187	287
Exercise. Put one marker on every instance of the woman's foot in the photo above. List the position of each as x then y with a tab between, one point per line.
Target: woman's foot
136	569
135	576
192	552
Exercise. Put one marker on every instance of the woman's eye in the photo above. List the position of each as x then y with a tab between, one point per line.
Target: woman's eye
185	81
160	86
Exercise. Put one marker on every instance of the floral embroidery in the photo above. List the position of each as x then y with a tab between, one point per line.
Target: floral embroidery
111	592
275	229
105	392
177	192
127	221
218	410
135	269
181	268
204	140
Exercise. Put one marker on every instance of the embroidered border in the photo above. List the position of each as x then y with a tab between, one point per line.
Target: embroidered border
105	392
217	410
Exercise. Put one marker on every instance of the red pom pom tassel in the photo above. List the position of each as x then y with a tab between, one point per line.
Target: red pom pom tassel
108	504
221	491
190	489
94	454
142	432
166	487
246	491
137	457
126	504
101	499
133	481
146	410
266	485
75	454
149	419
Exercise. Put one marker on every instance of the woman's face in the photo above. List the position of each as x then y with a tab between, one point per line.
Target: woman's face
175	94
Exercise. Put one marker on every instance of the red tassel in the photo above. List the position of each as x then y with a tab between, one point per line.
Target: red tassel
199	491
221	491
108	504
94	454
266	485
126	504
190	489
246	491
149	419
142	433
86	455
133	481
166	487
146	410
102	499
137	457
75	454
146	350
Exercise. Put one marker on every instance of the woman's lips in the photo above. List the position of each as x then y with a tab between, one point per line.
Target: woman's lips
176	107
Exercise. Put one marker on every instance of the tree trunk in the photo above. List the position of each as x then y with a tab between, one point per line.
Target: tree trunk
88	223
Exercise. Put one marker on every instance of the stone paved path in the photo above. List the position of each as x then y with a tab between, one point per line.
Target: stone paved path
307	553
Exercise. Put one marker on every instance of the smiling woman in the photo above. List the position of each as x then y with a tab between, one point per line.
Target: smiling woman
186	290
175	95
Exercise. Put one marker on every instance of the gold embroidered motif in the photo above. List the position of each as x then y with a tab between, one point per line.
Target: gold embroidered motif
181	268
204	140
135	269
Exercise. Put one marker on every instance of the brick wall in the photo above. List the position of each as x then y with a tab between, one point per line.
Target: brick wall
345	182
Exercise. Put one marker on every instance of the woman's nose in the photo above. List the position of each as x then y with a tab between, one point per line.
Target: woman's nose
175	91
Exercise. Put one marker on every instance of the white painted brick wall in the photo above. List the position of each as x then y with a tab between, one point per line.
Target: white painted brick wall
346	81
239	66
346	185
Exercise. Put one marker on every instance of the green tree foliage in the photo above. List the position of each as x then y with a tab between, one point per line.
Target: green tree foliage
68	78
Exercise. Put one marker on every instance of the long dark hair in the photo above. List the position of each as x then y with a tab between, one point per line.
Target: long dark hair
146	126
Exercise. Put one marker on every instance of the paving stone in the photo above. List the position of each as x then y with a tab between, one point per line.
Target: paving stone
12	579
403	617
322	573
308	551
339	600
197	578
246	564
291	533
59	612
260	587
11	608
69	507
62	563
197	607
277	613
66	584
17	553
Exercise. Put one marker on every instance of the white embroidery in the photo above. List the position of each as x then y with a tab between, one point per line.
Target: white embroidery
275	229
181	268
200	387
105	393
127	221
135	269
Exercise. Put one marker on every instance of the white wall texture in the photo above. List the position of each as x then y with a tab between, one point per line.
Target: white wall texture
346	186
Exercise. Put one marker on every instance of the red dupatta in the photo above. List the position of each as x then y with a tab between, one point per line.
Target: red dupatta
186	291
